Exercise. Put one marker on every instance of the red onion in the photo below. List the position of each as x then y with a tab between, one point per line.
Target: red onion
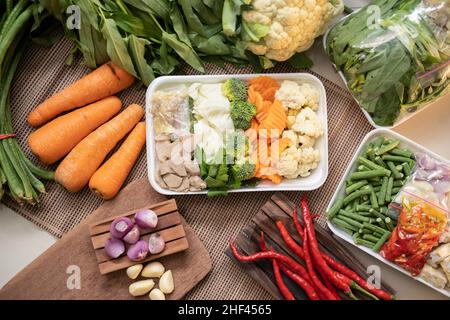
138	251
114	247
425	161
132	236
120	227
156	243
146	219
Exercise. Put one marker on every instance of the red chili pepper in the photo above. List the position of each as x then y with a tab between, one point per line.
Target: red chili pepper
287	294
302	254
7	135
335	278
296	267
355	277
305	285
315	279
336	265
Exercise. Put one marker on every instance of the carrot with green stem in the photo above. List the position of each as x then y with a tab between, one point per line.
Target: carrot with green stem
77	168
109	178
55	139
103	82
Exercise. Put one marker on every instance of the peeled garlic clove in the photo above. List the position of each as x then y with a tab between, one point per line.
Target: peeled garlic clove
134	271
156	294
154	269
139	288
166	282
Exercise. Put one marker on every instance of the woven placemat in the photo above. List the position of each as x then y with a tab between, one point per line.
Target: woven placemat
43	72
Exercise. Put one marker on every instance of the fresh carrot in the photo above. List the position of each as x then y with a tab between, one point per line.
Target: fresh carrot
103	82
77	168
109	178
54	140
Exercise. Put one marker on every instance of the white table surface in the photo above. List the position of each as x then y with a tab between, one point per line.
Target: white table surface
21	241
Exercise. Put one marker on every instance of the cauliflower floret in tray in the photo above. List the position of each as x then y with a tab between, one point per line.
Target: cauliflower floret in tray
295	96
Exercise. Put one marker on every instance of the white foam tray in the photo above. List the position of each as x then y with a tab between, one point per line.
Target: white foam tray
403	119
314	181
404	143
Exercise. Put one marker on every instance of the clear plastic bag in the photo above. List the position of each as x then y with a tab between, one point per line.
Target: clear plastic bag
421	211
394	55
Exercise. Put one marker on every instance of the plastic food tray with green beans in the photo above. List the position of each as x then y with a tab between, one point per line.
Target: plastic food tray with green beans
358	211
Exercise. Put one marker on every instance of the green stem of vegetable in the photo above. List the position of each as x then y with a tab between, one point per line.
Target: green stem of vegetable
10	18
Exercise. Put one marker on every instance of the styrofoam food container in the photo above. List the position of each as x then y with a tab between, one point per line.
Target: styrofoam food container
366	114
404	142
314	181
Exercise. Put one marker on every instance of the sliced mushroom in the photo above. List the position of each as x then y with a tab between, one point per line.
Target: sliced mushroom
184	185
192	168
160	181
177	168
196	183
163	150
164	168
172	180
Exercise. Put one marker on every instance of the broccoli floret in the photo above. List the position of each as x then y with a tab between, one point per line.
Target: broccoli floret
242	113
243	170
235	90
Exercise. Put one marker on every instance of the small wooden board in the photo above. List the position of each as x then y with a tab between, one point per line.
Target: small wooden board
169	227
47	276
280	208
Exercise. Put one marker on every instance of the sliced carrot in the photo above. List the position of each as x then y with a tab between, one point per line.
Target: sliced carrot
109	178
269	93
103	82
262	82
74	172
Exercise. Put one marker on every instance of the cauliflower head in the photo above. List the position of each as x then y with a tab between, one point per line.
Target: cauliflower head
294	96
287	26
307	123
295	162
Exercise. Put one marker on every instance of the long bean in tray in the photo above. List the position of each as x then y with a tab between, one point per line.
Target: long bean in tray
19	177
381	172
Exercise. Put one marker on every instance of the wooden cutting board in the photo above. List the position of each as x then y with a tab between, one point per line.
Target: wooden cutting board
280	208
48	275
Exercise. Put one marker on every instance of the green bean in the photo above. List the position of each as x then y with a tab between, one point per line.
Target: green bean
367	174
342	224
382	193
364	231
381	241
365	213
381	223
363	207
389	188
401	152
355	203
370	153
395	191
389	224
373	197
363	168
380	162
401	159
387	147
335	208
399	167
398	183
373	165
353	216
14	183
377	234
377	214
365	243
2	177
373	227
395	172
365	202
356	194
350	221
406	169
355	186
377	188
370	237
378	141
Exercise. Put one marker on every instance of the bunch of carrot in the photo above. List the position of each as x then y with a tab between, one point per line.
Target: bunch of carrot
323	276
86	136
267	126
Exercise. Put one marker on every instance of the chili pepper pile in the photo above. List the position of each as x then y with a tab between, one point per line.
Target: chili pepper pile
323	277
